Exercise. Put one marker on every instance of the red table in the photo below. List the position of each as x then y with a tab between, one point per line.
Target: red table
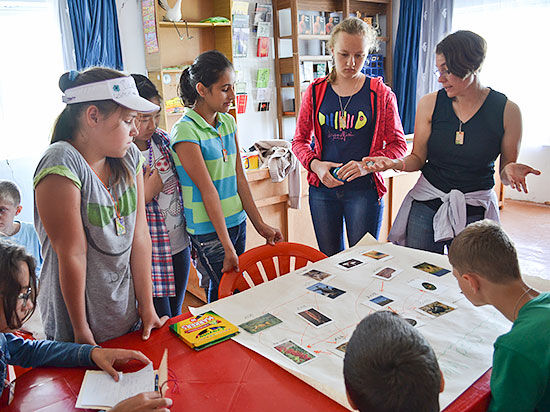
225	377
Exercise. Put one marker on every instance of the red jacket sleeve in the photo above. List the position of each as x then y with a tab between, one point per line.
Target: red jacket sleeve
396	146
301	144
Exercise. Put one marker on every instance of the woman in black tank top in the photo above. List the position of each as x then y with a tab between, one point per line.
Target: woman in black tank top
459	132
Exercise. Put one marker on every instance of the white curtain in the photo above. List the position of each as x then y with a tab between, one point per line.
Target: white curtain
67	42
31	65
517	34
437	16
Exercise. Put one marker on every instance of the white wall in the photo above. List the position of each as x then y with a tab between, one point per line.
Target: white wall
130	27
538	186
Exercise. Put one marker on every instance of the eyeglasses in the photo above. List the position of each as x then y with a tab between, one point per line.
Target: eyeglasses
438	73
25	296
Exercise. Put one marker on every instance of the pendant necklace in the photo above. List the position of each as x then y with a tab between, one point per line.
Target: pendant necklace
342	117
459	135
120	229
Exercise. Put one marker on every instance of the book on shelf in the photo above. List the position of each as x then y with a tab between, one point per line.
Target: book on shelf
240	41
304	24
331	21
319	25
263	47
263	13
204	330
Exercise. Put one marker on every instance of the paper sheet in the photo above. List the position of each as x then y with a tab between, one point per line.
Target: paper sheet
462	338
99	390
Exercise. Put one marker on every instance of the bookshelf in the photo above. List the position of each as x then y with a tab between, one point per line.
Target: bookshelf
289	45
179	43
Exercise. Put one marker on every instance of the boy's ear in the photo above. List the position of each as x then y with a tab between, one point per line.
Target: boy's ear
18	210
351	403
442	383
473	281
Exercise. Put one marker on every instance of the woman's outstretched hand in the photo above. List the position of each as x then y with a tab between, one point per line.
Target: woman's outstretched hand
514	174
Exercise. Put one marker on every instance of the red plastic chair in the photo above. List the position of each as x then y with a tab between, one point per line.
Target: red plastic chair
264	263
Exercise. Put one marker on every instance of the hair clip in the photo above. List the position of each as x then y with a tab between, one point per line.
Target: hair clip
73	74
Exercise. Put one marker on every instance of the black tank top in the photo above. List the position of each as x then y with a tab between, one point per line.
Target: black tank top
470	166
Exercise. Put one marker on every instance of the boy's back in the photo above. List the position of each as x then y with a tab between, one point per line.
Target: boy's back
486	266
521	363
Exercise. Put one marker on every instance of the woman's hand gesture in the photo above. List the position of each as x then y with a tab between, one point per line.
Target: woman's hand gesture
514	174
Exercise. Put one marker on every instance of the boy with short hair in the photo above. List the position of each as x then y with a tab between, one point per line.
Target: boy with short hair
486	266
19	232
390	367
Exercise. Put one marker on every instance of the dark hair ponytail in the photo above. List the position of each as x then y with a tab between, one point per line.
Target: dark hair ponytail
67	123
206	69
146	88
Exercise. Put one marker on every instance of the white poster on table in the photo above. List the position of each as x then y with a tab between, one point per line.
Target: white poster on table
301	321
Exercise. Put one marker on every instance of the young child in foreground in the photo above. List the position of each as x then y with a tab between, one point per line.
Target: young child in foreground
390	367
17	301
22	233
486	266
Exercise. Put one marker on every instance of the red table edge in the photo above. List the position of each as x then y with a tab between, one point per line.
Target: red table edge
474	399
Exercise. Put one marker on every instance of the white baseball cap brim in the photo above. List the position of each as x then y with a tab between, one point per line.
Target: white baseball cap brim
122	90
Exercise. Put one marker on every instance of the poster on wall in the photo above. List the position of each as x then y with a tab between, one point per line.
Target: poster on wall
149	26
240	41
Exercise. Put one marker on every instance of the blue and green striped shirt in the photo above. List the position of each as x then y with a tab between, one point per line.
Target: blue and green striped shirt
193	128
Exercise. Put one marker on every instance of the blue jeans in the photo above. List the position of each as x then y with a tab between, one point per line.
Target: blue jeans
171	306
420	228
211	253
361	210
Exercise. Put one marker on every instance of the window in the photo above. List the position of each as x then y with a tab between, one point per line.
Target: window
517	62
30	67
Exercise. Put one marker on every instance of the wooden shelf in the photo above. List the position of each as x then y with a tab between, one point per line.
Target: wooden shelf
175	53
313	37
315	58
374	1
192	24
293	60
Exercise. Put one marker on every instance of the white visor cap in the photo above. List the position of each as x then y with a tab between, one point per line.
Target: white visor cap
122	90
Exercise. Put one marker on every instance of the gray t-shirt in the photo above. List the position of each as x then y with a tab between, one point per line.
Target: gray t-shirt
110	297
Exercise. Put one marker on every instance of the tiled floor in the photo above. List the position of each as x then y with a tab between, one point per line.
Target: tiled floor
528	224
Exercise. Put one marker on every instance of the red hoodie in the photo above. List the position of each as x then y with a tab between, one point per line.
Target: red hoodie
388	139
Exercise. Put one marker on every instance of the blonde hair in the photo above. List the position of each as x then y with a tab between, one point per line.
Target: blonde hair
352	25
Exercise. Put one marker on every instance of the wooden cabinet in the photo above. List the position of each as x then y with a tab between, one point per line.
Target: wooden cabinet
181	42
289	57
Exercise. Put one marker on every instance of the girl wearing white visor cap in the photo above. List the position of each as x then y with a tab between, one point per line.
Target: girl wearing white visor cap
90	214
